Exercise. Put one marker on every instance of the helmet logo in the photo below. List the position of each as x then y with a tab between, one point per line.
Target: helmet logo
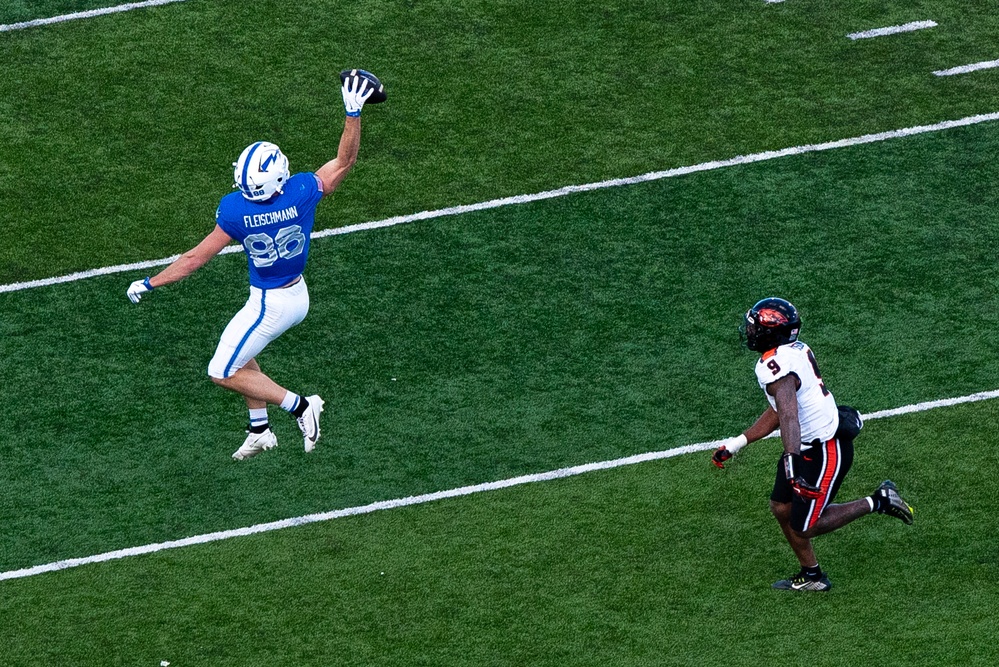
268	161
769	317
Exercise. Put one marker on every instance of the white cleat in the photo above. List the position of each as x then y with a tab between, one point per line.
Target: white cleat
309	421
254	444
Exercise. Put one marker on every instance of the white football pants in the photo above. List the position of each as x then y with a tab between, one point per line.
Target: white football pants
268	313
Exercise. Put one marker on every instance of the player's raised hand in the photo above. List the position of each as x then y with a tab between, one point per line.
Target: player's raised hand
729	448
137	289
356	90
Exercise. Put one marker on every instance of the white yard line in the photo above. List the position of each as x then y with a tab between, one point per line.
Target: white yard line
85	15
964	69
549	194
440	495
893	30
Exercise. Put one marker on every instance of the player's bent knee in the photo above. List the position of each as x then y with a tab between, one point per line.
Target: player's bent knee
217	369
217	376
781	510
804	534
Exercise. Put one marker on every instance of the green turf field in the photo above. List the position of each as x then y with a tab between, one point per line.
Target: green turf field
517	340
123	128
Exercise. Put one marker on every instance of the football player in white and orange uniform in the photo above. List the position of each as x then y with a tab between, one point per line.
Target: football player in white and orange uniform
817	437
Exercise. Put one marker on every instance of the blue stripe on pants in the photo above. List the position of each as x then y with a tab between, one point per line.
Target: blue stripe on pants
246	336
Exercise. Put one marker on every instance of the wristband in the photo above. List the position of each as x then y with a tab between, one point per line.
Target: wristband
788	460
738	443
147	284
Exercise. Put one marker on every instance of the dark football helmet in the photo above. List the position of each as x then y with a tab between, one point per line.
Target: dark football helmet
770	323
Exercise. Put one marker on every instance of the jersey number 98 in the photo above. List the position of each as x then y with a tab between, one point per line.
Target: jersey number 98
264	251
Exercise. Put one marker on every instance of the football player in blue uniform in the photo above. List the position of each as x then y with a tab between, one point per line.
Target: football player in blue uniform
272	216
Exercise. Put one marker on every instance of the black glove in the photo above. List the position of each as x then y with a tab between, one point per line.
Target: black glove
720	456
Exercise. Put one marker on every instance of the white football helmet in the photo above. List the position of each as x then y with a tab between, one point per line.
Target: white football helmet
261	171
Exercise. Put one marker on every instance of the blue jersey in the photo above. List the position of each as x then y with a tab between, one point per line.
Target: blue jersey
275	233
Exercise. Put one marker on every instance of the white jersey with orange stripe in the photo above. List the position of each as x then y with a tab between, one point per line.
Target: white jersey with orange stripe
817	413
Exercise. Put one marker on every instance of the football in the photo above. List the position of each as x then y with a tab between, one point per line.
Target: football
379	95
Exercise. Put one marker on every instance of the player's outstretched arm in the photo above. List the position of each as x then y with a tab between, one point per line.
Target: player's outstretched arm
183	266
355	92
333	172
761	428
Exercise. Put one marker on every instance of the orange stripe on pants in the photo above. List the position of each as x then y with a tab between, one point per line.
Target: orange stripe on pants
825	484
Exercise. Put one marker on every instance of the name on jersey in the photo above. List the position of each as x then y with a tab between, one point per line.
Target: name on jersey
262	219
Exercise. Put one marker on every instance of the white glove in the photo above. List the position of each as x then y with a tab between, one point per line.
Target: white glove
356	91
137	289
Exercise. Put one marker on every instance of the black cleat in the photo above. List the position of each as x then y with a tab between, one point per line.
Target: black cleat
802	582
887	501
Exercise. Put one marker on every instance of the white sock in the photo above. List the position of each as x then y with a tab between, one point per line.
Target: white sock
870	501
290	402
258	416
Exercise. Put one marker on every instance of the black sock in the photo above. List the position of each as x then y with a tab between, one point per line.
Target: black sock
260	428
878	500
300	410
813	572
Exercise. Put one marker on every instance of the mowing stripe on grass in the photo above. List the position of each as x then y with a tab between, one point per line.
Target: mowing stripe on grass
964	69
892	30
440	495
549	194
85	15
